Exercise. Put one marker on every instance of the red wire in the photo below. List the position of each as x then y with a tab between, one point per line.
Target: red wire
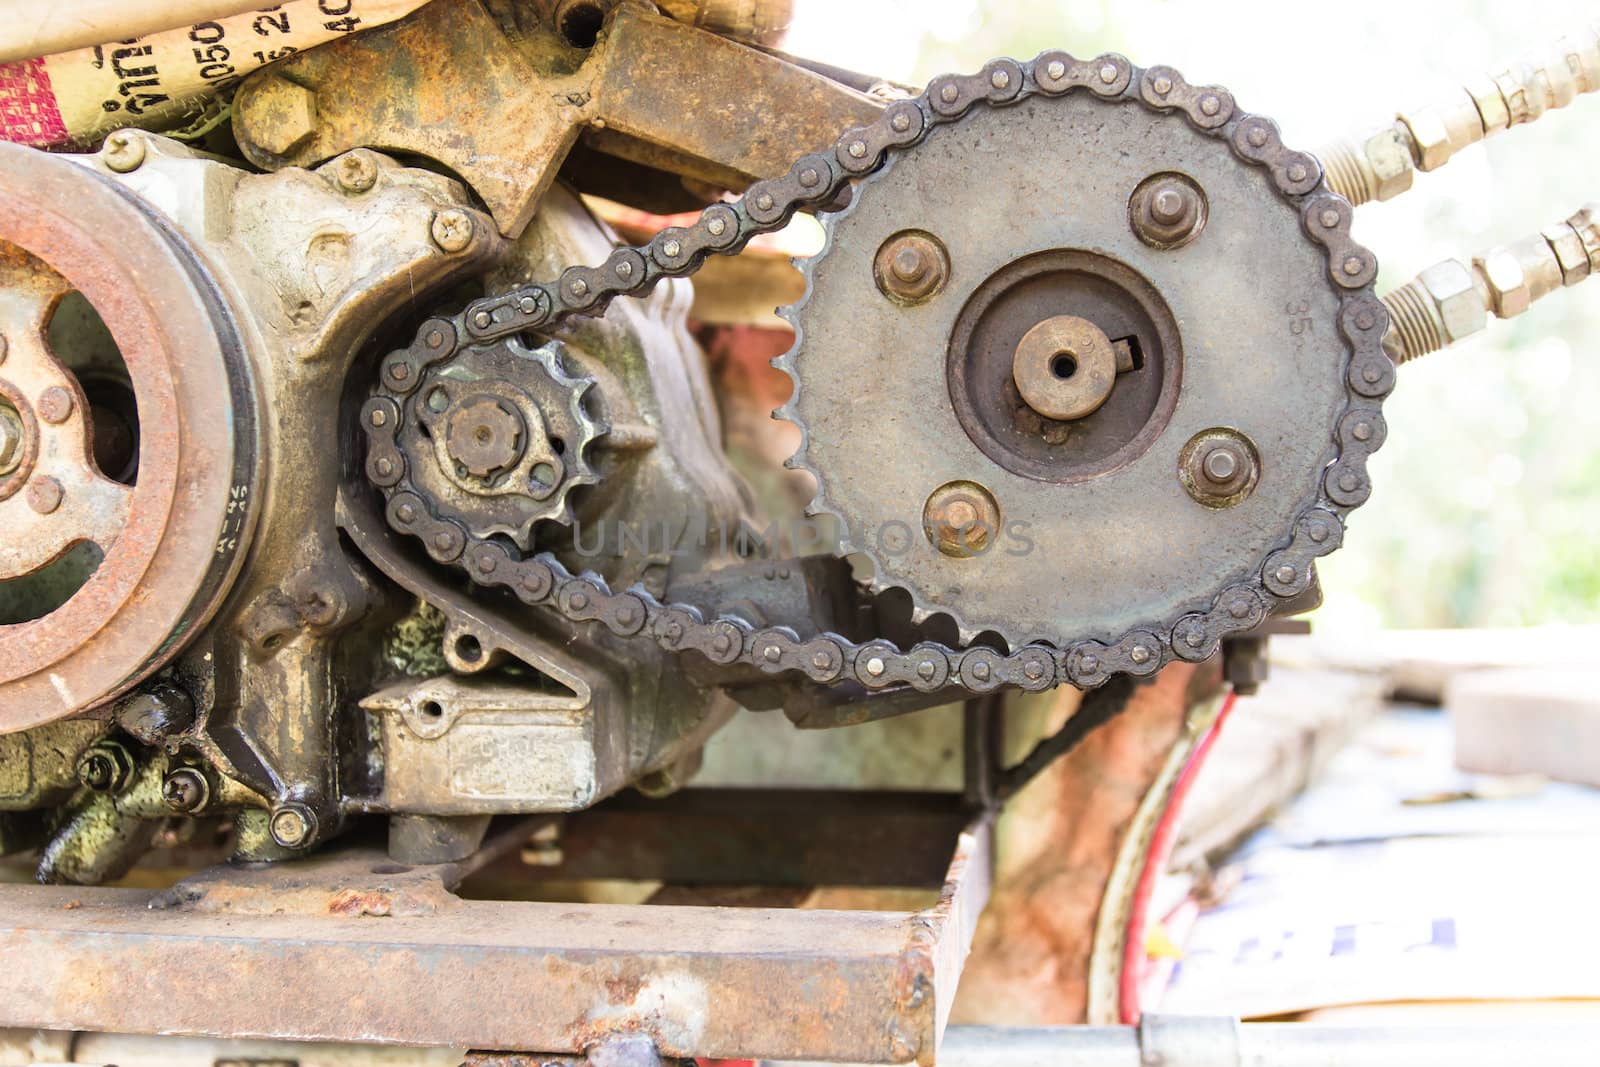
1134	957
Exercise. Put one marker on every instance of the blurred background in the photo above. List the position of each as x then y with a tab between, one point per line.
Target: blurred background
1486	508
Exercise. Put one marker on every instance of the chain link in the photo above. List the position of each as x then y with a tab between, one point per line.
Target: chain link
816	180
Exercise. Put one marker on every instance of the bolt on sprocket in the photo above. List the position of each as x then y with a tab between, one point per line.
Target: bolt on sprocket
496	436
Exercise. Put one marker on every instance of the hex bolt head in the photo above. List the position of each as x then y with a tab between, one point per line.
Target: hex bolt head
275	114
185	790
1167	210
961	519
911	267
123	151
105	767
293	825
1219	467
356	171
452	229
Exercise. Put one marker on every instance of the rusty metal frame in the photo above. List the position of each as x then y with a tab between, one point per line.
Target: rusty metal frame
353	948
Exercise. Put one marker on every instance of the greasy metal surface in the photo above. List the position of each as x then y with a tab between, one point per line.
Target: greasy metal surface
1264	557
172	543
383	953
502	110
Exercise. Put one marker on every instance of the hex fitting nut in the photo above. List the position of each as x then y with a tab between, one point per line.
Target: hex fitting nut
1492	111
1441	305
1453	290
1431	147
1509	290
1586	224
1377	168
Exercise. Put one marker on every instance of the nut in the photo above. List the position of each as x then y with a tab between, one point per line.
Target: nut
1567	246
1430	138
1219	467
293	825
961	519
1509	291
105	767
1490	104
123	151
911	267
275	114
1167	210
1586	224
1450	287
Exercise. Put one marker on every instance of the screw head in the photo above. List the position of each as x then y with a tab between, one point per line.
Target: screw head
911	267
185	790
452	230
293	825
961	519
356	171
123	151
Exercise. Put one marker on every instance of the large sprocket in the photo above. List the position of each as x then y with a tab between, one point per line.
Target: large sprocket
1238	331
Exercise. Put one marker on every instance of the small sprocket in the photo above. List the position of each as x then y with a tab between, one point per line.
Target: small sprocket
498	437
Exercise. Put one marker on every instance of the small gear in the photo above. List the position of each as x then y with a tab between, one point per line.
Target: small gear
497	437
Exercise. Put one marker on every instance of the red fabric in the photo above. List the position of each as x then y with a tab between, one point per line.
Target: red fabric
28	112
1135	961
